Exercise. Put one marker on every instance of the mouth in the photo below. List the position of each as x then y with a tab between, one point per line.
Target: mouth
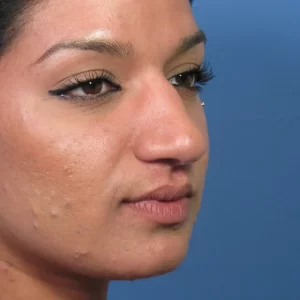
166	205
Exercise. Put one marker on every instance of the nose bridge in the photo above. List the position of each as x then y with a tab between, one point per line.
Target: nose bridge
169	114
166	128
162	101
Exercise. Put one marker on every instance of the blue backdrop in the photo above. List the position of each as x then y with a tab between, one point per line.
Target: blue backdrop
246	244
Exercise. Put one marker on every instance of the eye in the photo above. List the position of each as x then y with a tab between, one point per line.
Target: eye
193	79
96	87
93	85
187	79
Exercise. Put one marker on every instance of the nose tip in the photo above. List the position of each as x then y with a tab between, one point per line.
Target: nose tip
177	139
189	148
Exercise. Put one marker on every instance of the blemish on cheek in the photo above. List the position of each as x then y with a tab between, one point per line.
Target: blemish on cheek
68	171
79	254
54	213
35	224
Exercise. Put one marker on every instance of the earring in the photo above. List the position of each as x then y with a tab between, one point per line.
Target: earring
203	103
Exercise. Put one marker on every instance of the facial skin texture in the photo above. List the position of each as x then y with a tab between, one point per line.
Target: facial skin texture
67	165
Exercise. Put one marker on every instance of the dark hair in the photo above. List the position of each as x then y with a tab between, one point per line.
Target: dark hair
12	17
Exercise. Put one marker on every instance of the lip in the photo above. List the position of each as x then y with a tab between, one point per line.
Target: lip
167	204
165	193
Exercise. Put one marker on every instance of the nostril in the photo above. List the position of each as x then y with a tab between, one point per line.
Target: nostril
176	164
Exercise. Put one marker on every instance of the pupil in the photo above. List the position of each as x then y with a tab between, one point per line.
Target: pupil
186	79
92	88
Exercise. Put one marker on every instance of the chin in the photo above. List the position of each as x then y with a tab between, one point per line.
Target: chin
146	266
146	260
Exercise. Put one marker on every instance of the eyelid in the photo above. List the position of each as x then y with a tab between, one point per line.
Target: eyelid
85	76
184	68
191	70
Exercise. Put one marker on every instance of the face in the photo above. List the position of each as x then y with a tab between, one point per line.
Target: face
105	116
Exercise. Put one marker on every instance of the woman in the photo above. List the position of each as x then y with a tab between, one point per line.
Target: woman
103	143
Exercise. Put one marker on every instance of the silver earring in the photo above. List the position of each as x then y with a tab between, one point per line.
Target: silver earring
203	103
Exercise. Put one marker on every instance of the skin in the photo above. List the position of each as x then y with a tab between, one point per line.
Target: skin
67	165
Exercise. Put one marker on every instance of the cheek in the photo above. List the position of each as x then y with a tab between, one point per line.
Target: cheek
56	180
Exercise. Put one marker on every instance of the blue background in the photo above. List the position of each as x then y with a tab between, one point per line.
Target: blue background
246	244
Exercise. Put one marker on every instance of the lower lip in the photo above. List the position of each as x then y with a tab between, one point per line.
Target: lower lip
163	212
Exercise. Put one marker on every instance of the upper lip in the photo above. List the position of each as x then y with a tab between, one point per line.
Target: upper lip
166	193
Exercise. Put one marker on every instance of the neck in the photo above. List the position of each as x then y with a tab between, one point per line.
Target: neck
22	279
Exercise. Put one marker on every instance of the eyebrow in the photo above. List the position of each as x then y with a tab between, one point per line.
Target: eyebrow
118	49
190	42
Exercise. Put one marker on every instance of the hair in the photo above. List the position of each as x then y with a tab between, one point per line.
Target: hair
13	15
12	18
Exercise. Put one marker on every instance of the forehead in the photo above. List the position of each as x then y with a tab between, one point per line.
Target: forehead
146	24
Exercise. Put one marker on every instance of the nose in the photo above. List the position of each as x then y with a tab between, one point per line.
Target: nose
169	129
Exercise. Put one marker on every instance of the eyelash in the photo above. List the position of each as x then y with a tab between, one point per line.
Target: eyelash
92	76
203	74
